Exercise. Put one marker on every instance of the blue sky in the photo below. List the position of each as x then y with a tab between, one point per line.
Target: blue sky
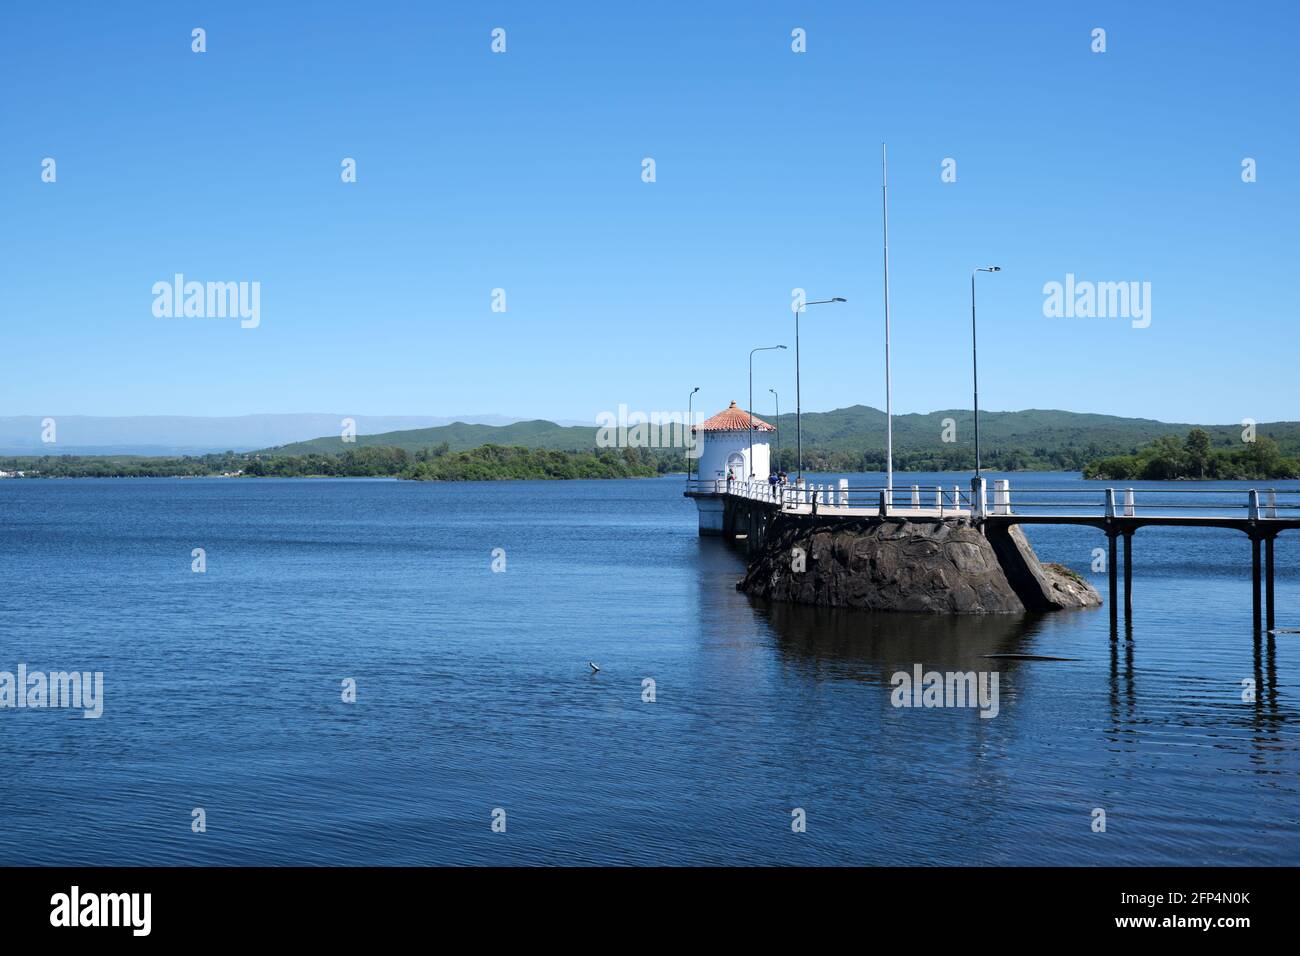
522	171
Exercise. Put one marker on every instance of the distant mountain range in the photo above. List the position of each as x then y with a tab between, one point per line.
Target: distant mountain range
1037	433
460	436
851	437
194	435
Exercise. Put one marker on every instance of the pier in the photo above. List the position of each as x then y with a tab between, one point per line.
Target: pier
743	510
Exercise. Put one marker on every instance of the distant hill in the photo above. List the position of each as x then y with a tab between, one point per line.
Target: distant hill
844	440
194	434
1024	439
459	436
848	429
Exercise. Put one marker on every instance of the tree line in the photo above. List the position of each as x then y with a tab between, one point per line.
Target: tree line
1165	458
439	463
1194	457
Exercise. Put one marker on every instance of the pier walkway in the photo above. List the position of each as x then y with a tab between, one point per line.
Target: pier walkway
744	509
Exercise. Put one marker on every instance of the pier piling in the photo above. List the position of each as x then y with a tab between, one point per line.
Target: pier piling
1128	575
1112	568
1268	583
1255	581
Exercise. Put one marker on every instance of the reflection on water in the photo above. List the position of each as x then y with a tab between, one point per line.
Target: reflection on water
883	642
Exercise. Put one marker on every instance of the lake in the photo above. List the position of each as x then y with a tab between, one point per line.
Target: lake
223	690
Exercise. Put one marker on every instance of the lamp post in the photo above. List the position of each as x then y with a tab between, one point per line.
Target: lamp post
765	348
889	392
778	427
690	424
975	367
798	423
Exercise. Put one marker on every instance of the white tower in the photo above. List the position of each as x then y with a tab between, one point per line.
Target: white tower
725	442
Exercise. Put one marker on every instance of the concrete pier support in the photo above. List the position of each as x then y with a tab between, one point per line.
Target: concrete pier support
712	516
979	498
1128	576
1255	576
1269	617
736	518
1112	567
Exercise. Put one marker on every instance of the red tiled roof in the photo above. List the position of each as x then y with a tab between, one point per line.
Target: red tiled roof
733	419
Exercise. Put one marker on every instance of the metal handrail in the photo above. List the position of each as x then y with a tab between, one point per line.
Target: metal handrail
1262	504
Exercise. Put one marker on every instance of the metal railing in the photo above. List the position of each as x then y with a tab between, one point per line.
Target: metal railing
819	497
1151	502
1251	503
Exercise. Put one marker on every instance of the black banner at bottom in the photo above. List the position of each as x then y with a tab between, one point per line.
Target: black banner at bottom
337	905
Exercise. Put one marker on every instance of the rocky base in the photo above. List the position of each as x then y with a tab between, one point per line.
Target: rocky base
1042	587
1068	590
935	567
941	567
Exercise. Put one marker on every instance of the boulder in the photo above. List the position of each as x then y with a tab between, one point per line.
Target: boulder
943	566
891	564
1042	587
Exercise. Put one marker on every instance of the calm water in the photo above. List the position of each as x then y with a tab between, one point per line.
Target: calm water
223	691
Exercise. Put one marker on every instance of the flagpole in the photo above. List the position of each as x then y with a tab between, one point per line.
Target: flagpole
889	407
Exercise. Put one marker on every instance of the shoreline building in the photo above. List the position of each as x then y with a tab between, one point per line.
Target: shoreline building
725	441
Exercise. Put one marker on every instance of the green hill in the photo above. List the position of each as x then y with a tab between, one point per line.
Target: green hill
849	429
854	438
844	440
458	436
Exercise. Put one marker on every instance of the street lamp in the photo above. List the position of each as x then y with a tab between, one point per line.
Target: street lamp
690	425
798	424
975	367
766	348
778	427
